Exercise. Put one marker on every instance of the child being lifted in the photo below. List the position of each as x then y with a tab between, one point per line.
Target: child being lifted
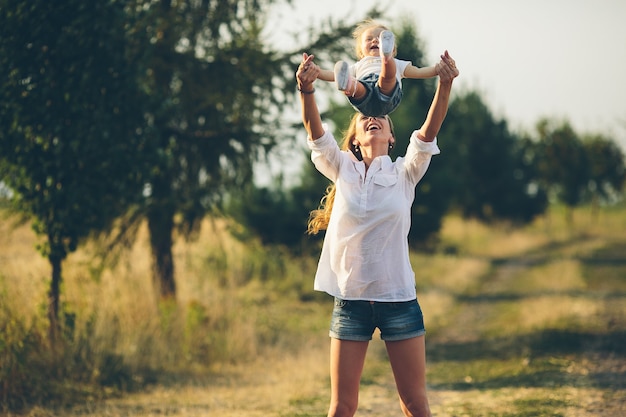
373	84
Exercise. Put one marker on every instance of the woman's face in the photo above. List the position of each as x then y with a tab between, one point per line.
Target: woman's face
373	131
369	42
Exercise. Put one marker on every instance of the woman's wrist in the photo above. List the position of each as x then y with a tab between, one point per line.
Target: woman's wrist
306	89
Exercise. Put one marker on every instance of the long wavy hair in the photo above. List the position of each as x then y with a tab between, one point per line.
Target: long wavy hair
318	219
360	29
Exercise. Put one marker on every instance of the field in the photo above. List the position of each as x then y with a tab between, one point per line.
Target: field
520	322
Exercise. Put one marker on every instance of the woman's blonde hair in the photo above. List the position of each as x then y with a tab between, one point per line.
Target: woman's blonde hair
360	29
319	219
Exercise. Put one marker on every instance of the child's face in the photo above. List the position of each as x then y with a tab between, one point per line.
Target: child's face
369	42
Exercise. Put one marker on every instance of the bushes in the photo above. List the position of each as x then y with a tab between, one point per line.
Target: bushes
34	371
25	359
116	337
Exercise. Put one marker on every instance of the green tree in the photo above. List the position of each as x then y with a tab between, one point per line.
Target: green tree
607	170
489	170
562	162
275	214
212	94
68	148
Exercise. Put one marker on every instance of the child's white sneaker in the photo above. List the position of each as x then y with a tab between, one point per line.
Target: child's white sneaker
342	75
387	42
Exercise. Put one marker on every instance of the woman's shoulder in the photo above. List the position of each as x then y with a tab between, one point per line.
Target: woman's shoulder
327	139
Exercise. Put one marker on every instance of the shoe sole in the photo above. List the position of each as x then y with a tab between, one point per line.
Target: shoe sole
387	42
342	75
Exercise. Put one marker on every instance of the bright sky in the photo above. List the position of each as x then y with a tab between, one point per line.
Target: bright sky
529	59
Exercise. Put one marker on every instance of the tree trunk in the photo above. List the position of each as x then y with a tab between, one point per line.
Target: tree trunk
161	226
54	294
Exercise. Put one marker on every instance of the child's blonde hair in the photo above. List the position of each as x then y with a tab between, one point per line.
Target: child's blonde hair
360	29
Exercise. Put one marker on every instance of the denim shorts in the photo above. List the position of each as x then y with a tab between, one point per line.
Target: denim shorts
375	102
357	320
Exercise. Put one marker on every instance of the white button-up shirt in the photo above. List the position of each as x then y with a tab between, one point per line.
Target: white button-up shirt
365	255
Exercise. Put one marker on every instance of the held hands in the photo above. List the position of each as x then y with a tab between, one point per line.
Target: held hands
307	73
446	68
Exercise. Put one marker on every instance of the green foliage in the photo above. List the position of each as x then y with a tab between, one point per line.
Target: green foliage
276	215
562	162
607	167
69	150
209	86
212	95
488	174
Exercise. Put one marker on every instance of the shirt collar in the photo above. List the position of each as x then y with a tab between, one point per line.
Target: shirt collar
379	163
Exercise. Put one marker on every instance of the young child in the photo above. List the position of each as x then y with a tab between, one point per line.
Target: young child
373	84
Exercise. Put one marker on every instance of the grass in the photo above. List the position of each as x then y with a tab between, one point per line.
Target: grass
521	322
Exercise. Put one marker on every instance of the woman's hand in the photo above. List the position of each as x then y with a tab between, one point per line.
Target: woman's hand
307	73
446	68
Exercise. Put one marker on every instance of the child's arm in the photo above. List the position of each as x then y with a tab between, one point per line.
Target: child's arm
411	71
326	75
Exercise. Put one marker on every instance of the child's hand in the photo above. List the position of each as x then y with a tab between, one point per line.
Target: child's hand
307	71
446	68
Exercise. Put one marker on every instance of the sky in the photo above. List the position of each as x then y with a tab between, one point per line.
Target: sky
561	59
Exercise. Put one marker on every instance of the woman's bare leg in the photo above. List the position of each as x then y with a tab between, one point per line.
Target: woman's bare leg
346	366
408	361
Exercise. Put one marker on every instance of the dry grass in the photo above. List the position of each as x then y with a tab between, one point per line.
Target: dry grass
472	237
521	322
25	272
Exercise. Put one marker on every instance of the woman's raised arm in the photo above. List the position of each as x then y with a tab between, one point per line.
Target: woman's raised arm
306	74
447	71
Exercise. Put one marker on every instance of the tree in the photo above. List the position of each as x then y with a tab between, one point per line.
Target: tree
491	174
606	165
562	162
68	148
211	91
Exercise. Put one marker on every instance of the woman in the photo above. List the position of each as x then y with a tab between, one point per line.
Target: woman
364	262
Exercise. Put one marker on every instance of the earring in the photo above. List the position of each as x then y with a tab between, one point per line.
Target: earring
390	145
